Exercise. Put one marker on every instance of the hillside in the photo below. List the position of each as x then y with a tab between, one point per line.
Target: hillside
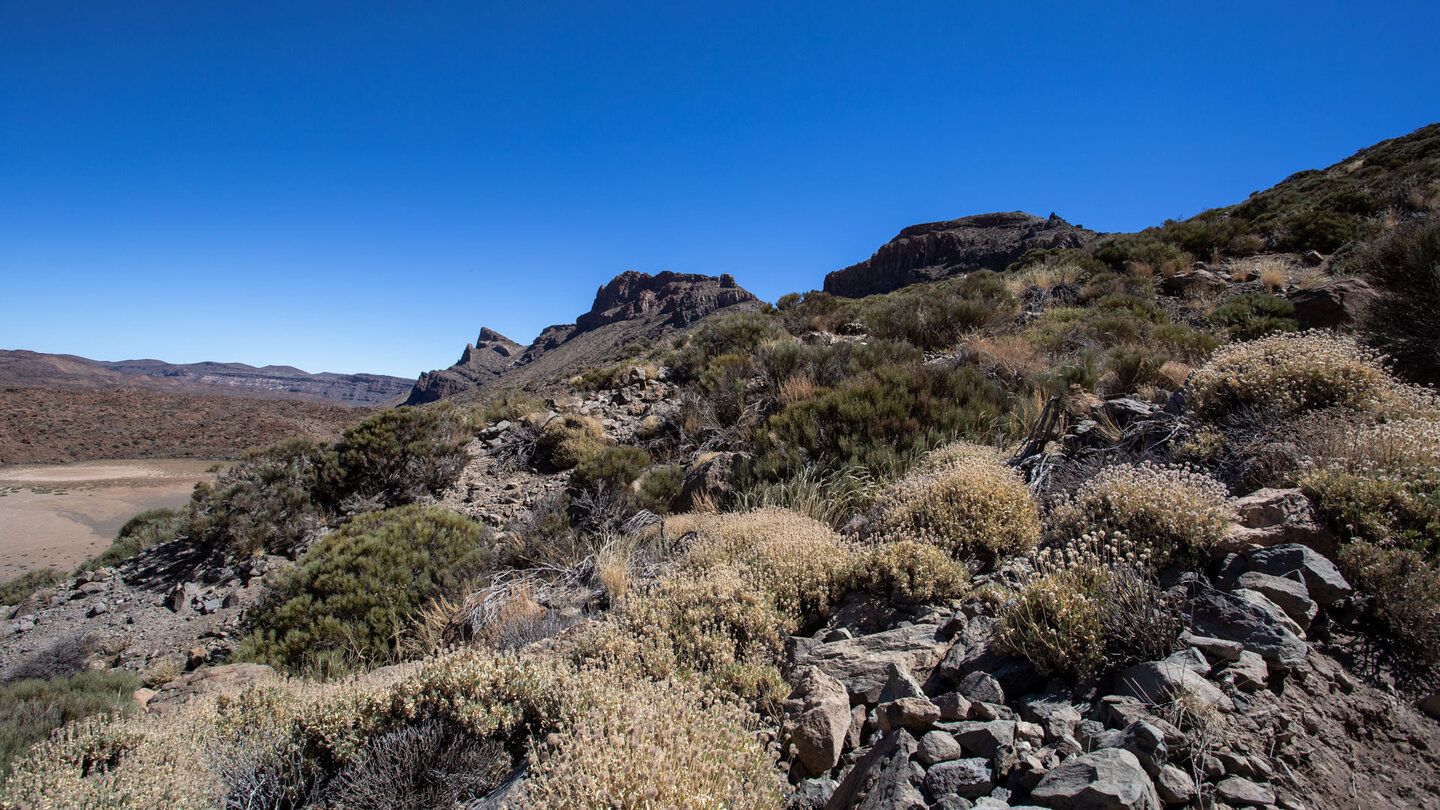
29	369
1108	526
632	307
51	425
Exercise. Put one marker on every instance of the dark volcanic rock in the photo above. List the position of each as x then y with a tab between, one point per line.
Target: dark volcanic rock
487	357
942	249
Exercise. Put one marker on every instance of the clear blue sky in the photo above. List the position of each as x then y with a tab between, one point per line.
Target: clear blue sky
360	186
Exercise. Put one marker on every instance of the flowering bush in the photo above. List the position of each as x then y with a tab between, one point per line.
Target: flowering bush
964	500
1164	509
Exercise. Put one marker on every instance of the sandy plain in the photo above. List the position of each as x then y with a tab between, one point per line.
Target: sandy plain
60	514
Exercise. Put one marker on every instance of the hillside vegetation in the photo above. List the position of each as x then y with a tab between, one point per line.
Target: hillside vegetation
1116	527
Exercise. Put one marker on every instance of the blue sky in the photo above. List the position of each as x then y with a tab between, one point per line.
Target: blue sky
360	186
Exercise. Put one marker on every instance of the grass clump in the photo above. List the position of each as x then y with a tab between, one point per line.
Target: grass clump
31	709
18	589
965	501
1176	512
508	405
149	528
567	439
351	595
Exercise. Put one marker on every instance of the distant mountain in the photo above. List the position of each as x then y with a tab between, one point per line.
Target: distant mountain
27	369
632	305
939	250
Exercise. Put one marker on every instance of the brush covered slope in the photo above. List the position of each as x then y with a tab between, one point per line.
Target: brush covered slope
1107	528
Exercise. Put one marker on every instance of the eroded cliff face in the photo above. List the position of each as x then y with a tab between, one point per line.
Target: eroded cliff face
654	303
938	250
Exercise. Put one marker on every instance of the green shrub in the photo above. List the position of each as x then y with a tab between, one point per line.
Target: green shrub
1255	315
934	316
265	502
396	457
610	468
508	405
30	710
1056	624
149	528
1171	511
17	590
739	334
1404	322
965	501
351	595
567	439
881	418
660	488
1127	369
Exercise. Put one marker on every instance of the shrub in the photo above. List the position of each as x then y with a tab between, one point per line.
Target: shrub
149	528
1293	373
934	316
18	589
1407	594
909	571
1056	625
666	744
1255	315
508	405
660	488
396	457
1172	511
567	439
265	503
354	591
66	656
964	500
1127	369
831	497
1404	321
31	709
883	417
610	468
741	334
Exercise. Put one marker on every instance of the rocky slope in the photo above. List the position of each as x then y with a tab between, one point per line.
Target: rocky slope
939	250
29	369
632	305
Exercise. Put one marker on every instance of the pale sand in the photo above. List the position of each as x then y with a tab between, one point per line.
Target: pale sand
60	514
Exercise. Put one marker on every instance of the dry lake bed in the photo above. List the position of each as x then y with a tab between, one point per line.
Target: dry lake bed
60	514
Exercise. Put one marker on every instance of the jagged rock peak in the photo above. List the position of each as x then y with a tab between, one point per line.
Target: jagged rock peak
488	335
686	297
937	250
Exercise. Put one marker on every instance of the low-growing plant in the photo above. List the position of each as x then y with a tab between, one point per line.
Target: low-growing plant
659	488
147	529
508	405
18	589
832	497
909	571
1175	512
613	468
1255	315
1404	321
31	709
353	593
1407	594
567	439
964	500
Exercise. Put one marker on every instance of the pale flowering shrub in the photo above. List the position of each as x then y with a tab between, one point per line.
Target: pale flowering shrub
655	745
1092	606
964	500
1378	482
909	571
1169	510
1296	372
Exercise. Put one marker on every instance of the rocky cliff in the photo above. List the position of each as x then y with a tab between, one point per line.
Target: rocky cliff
39	370
938	250
629	306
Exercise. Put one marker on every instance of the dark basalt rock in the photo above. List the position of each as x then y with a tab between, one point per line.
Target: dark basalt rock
940	250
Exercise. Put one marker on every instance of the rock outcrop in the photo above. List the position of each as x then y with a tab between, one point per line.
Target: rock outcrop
651	304
939	250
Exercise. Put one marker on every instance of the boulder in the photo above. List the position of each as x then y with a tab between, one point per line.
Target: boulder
913	713
1240	791
811	794
1220	648
1162	682
1249	674
1176	786
863	663
1323	581
1268	605
1108	779
986	739
1290	594
939	746
899	684
1272	517
709	480
1331	303
229	678
980	686
1227	616
967	778
817	717
882	775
